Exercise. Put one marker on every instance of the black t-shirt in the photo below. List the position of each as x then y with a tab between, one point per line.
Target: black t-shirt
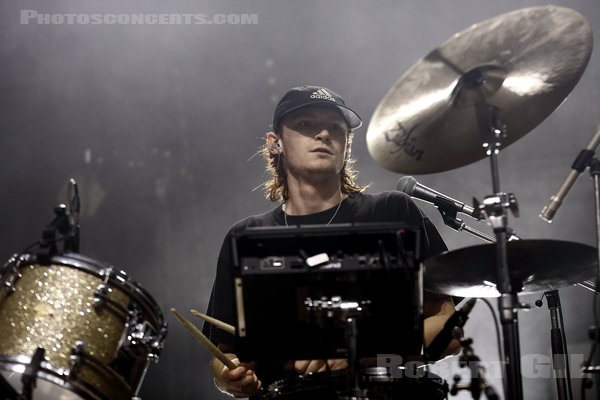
389	206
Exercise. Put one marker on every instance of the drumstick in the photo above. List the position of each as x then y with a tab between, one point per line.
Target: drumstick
204	340
219	324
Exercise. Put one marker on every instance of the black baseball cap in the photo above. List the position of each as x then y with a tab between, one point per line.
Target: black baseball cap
304	96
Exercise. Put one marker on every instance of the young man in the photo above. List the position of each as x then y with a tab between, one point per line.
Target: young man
311	175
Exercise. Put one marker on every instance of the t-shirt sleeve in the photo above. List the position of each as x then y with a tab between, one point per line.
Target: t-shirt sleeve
410	212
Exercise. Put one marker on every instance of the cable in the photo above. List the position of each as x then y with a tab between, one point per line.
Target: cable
497	326
566	351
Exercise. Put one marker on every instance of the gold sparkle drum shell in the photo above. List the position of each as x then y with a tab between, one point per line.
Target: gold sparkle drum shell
99	329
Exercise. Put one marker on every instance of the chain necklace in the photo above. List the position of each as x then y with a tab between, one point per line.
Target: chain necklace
330	221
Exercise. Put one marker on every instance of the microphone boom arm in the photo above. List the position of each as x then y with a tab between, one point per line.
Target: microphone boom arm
448	212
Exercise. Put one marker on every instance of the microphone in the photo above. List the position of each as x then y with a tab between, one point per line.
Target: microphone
579	165
442	340
411	187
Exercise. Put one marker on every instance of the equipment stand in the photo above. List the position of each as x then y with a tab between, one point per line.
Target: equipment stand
492	131
354	391
559	351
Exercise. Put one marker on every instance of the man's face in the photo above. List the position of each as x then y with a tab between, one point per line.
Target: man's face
314	141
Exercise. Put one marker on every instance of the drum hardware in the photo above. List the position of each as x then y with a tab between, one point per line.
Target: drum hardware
478	384
101	294
65	227
10	274
588	284
474	84
449	216
29	377
591	367
102	299
560	363
77	352
584	160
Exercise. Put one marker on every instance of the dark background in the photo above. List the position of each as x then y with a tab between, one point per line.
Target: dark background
159	125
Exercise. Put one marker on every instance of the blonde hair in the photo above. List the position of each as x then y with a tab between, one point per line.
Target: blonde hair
276	186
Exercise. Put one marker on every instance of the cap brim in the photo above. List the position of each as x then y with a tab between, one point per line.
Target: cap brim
352	118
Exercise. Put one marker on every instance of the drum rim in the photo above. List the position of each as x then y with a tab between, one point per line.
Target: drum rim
56	376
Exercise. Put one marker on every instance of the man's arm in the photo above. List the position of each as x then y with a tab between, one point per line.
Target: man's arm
437	310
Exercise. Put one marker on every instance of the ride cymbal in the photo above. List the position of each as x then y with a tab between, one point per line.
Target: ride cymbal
524	63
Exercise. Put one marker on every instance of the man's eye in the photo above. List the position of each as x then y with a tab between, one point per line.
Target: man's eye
305	124
336	128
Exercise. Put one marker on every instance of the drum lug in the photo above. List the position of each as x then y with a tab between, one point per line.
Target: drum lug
77	352
143	337
102	290
158	343
12	274
9	285
100	296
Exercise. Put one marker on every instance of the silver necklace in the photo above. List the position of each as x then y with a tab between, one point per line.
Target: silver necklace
330	221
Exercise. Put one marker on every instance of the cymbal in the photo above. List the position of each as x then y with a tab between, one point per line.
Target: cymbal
525	63
535	266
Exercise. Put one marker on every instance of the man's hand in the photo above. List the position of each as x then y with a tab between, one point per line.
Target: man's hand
311	366
239	382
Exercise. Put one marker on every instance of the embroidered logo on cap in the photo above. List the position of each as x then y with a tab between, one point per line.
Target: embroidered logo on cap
322	94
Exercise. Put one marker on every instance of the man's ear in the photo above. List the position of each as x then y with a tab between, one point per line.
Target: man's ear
273	143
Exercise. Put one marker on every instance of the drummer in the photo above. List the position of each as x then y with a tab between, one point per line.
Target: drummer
311	177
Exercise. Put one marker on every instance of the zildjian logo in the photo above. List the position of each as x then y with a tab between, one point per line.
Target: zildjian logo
402	138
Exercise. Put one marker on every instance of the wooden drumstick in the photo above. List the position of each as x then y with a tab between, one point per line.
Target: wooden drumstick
204	340
219	324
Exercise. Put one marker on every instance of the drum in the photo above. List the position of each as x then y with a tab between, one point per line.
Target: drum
377	383
385	383
80	328
317	386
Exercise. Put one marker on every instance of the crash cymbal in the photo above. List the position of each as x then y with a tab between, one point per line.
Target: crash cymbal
525	63
535	265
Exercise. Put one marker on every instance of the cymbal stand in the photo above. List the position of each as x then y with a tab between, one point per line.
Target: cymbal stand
492	129
559	345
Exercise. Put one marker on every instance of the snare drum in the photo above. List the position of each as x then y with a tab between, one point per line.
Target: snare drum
377	383
99	330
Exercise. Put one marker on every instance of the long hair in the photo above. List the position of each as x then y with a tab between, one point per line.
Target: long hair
276	186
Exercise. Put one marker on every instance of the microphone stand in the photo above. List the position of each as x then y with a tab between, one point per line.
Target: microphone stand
594	165
559	346
448	211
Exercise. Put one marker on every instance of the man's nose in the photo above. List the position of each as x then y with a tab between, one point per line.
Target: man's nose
322	133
